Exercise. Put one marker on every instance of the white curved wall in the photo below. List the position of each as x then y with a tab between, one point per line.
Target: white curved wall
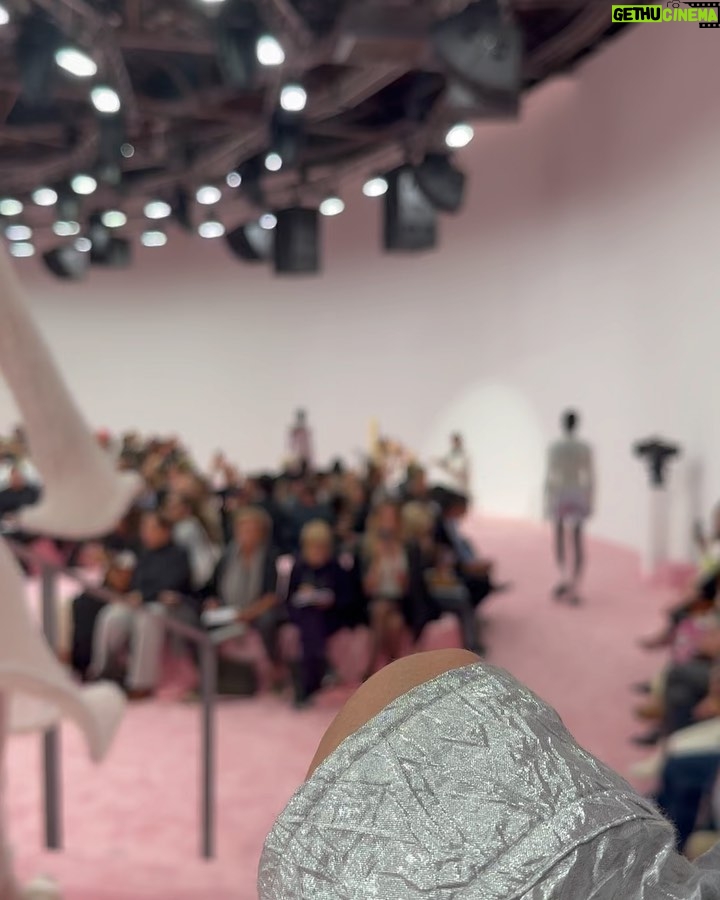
584	271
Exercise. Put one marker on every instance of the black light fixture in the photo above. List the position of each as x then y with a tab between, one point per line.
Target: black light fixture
287	136
251	242
410	219
441	182
66	262
38	38
481	46
297	241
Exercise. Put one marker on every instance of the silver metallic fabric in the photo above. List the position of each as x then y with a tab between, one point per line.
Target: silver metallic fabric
470	787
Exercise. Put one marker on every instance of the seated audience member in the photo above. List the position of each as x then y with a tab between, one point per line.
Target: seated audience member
475	571
19	485
686	784
415	486
690	691
315	604
436	587
161	585
702	593
386	581
87	607
189	533
455	466
246	576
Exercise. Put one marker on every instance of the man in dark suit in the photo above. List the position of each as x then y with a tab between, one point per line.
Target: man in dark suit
246	576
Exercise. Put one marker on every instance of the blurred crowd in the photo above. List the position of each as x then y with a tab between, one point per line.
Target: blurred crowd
374	546
682	702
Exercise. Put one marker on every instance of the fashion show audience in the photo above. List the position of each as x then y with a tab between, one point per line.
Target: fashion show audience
312	551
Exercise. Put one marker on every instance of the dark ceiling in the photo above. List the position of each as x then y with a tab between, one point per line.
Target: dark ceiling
195	105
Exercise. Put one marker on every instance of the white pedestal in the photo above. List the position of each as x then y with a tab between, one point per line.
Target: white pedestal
656	550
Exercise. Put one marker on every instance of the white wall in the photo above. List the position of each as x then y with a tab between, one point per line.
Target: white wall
584	271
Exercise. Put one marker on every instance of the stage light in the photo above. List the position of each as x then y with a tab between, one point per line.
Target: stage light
4	15
67	262
113	218
211	229
153	238
273	162
483	47
213	2
108	251
375	187
22	250
441	182
157	209
74	61
267	221
9	206
332	206
233	179
83	185
82	245
251	243
293	98
459	135
18	233
45	196
208	194
66	228
105	99
127	150
268	51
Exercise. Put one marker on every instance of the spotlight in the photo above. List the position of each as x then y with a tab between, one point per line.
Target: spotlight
297	242
273	162
213	2
269	52
287	136
153	238
127	150
18	233
74	61
9	206
459	136
65	228
22	250
211	229
251	242
105	99
113	218
83	245
68	205
83	185
441	182
375	187
109	251
233	179
157	209
181	209
45	196
67	262
481	46
332	206
4	15
267	221
293	98
208	194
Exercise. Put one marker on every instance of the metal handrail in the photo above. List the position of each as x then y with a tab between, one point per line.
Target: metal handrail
51	740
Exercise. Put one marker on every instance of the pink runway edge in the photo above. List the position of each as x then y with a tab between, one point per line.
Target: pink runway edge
131	827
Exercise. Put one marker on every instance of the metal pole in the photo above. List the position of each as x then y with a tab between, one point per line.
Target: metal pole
208	675
51	738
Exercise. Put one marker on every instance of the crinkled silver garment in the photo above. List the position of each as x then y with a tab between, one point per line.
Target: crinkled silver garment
470	787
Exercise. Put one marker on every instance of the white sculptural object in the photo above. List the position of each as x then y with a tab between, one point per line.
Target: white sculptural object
83	497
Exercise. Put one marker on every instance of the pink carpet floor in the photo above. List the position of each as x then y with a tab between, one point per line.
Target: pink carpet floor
131	826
